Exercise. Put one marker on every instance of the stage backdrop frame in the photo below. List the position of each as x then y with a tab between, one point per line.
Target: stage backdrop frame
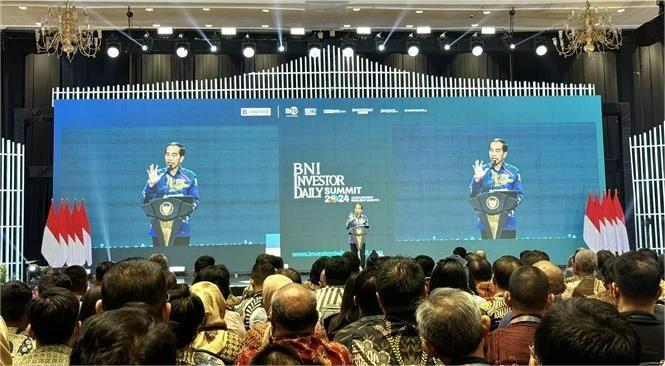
329	76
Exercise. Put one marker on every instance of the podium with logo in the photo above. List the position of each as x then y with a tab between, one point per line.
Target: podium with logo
493	208
166	215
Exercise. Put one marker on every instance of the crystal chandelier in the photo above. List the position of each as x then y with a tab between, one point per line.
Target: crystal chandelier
64	30
587	31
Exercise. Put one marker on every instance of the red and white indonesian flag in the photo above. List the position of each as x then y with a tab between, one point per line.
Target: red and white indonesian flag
591	232
87	234
621	233
77	234
72	247
62	233
50	240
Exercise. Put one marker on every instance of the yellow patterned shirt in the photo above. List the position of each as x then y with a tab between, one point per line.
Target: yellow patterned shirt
52	354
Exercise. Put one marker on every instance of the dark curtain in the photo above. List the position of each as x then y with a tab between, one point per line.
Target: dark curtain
648	81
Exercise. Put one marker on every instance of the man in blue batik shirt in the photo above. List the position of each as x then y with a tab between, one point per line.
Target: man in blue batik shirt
497	175
173	180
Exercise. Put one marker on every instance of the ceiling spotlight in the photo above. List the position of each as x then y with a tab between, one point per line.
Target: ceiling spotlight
205	9
146	34
265	26
155	25
419	11
281	48
541	48
364	30
164	30
347	51
424	30
347	25
213	48
475	25
181	36
512	46
621	10
208	25
248	50
413	50
229	31
356	9
144	47
477	49
446	47
265	10
315	50
409	25
113	50
297	31
487	12
182	51
149	9
381	47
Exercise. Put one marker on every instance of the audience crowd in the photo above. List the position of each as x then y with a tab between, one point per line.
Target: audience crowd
463	309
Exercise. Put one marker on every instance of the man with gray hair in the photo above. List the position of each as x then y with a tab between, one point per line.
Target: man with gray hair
453	327
293	318
587	284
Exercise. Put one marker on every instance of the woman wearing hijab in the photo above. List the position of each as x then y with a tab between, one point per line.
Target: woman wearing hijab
213	336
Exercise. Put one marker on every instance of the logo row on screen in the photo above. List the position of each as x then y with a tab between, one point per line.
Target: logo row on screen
293	111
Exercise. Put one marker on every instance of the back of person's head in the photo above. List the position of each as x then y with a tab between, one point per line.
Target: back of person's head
203	262
636	277
160	259
451	323
89	301
461	251
502	269
649	253
527	290
178	292
101	270
607	271
480	269
275	354
400	283
554	274
132	335
293	309
217	274
291	273
364	290
352	260
372	259
79	278
260	271
187	313
54	280
53	316
317	267
661	265
602	256
337	271
134	280
276	261
14	297
450	272
586	262
532	256
582	331
426	263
